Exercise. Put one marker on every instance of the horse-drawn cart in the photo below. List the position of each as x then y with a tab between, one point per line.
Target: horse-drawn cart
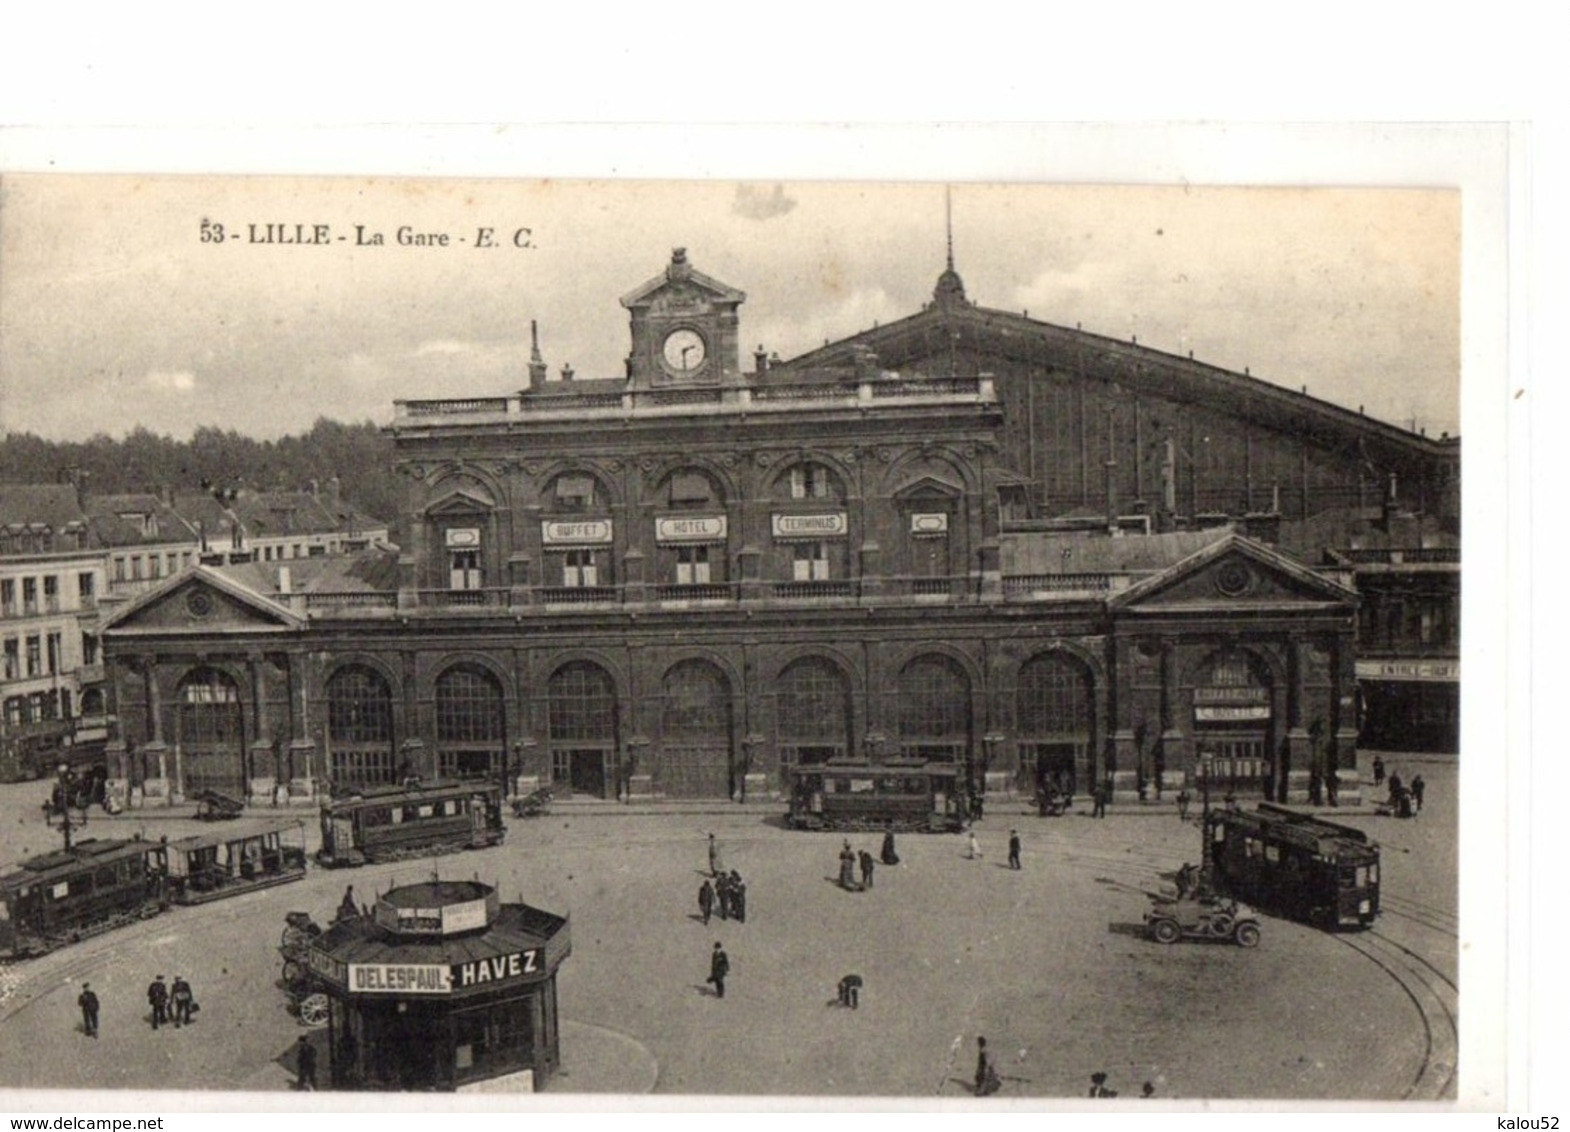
306	1002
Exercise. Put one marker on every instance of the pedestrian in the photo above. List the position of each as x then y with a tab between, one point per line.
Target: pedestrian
889	856
847	868
716	861
1099	808
973	849
867	865
722	896
158	998
88	1001
181	1001
1417	790
987	1081
978	805
1332	786
1184	798
347	908
706	901
305	1065
850	991
1379	770
1098	1086
1014	849
719	968
1395	787
1147	1091
738	897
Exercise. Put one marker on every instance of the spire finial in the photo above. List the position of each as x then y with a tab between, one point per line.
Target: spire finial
948	221
950	290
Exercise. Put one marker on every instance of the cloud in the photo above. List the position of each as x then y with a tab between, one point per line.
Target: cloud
754	203
179	380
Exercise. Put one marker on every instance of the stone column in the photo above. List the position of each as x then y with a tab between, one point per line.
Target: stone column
304	778
155	790
1298	755
264	774
1175	750
1124	743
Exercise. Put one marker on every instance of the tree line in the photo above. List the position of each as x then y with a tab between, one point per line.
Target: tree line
143	461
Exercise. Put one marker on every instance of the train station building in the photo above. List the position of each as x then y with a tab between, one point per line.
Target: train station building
969	535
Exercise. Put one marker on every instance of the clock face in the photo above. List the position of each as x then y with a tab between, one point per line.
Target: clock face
684	351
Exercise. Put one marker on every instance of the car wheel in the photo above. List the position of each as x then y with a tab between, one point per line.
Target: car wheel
1247	935
1221	925
1166	931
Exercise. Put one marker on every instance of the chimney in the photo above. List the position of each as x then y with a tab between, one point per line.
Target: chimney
760	362
334	492
567	372
536	359
1112	471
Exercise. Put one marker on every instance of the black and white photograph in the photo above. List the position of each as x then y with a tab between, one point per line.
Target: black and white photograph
979	641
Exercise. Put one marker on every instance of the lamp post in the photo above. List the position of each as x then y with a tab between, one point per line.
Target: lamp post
64	782
1206	760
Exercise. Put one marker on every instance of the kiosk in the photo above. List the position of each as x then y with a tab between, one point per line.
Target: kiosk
443	987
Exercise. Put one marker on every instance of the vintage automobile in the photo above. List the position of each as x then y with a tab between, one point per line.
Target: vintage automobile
1196	916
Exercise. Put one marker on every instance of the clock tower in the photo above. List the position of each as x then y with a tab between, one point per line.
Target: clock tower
684	329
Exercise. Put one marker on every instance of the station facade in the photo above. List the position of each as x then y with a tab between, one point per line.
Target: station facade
681	581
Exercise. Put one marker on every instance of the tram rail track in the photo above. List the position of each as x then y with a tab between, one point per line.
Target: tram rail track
1434	997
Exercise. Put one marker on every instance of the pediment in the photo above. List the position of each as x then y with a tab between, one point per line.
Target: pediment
929	486
1230	574
201	601
462	501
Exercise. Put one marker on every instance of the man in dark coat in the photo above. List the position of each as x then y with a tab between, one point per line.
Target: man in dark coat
719	968
706	901
1417	790
1100	809
88	1001
987	1081
722	895
867	865
1014	849
1379	770
305	1065
158	999
738	897
890	857
181	1000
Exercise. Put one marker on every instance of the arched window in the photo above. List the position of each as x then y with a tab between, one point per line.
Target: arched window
210	733
360	740
578	534
471	727
934	709
1055	714
583	724
695	732
1232	718
813	712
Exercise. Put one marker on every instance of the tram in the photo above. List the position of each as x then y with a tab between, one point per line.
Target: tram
391	823
1296	865
211	866
905	795
61	897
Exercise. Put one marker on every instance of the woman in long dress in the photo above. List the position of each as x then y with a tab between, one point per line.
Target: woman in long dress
847	867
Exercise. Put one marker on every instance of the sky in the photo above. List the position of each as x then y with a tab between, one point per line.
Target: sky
114	312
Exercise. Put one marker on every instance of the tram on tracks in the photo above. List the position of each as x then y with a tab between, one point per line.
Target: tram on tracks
211	866
391	823
902	795
61	897
1296	865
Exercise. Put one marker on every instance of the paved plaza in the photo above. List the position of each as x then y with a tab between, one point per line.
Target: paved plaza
1047	962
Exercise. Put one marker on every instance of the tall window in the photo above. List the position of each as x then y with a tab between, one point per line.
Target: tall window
30	595
13	659
8	597
465	572
810	562
89	649
813	709
582	703
470	723
360	727
575	493
84	589
810	481
580	568
51	593
54	650
34	656
934	707
692	565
